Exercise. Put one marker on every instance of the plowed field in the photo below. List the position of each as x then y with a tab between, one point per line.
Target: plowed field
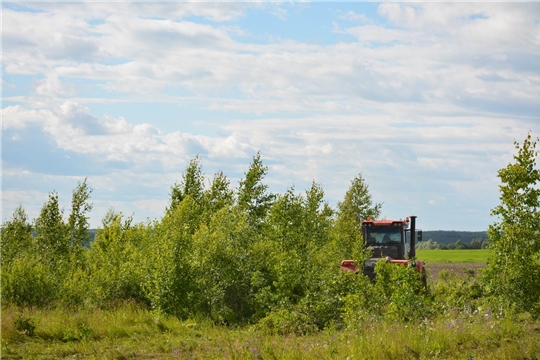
434	269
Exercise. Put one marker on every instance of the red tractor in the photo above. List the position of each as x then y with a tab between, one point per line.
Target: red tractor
388	240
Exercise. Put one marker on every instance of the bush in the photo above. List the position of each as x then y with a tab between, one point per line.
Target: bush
24	325
454	293
403	290
28	282
398	293
513	272
287	322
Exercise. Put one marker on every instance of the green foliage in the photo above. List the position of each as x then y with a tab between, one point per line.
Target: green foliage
306	278
24	325
398	294
78	220
192	184
355	207
166	258
427	245
235	258
16	237
76	286
27	281
50	267
453	293
223	267
52	233
477	243
253	195
235	261
403	291
113	263
287	322
217	197
358	203
513	272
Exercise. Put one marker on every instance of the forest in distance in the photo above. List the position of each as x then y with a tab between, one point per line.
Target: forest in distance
245	258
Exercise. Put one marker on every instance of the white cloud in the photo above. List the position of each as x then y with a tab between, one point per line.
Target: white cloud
73	128
353	16
52	87
17	117
427	105
161	53
31	200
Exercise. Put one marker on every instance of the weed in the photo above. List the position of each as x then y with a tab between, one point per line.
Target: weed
24	325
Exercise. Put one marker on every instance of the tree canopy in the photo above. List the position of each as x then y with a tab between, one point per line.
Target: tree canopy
513	274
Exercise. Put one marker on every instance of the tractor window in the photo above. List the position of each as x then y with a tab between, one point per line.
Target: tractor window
380	235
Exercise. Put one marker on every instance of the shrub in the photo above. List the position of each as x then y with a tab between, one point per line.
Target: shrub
453	293
28	282
513	272
24	325
287	322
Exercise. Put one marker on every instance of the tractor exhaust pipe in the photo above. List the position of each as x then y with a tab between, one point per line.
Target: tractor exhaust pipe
412	252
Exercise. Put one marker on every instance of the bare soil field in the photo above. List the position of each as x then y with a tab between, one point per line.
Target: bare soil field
433	269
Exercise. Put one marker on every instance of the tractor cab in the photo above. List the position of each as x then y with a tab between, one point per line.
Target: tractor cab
386	238
391	240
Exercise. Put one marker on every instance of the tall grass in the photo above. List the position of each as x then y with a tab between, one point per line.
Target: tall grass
130	332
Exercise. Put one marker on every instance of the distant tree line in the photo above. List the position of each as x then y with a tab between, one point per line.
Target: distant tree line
477	243
450	236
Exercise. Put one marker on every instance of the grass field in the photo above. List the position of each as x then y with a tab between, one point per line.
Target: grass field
132	333
453	256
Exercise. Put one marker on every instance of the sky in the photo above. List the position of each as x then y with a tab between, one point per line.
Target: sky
424	100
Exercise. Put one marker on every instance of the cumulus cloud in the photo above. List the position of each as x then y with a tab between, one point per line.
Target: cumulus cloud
427	98
74	128
17	117
414	63
52	87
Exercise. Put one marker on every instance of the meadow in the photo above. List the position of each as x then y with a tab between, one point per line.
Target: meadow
130	332
453	256
450	328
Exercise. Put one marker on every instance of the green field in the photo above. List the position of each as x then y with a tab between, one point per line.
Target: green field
129	332
453	256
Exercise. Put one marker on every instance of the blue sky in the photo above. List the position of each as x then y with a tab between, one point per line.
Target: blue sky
423	99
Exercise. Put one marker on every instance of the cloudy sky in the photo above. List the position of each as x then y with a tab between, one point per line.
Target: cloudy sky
423	99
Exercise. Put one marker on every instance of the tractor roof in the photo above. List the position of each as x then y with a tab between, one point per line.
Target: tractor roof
370	222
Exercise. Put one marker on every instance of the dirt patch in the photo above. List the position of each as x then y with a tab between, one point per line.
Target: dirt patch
434	269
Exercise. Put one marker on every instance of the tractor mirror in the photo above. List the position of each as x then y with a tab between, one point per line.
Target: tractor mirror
419	235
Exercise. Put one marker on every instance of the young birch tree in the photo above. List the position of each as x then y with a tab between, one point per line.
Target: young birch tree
513	273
